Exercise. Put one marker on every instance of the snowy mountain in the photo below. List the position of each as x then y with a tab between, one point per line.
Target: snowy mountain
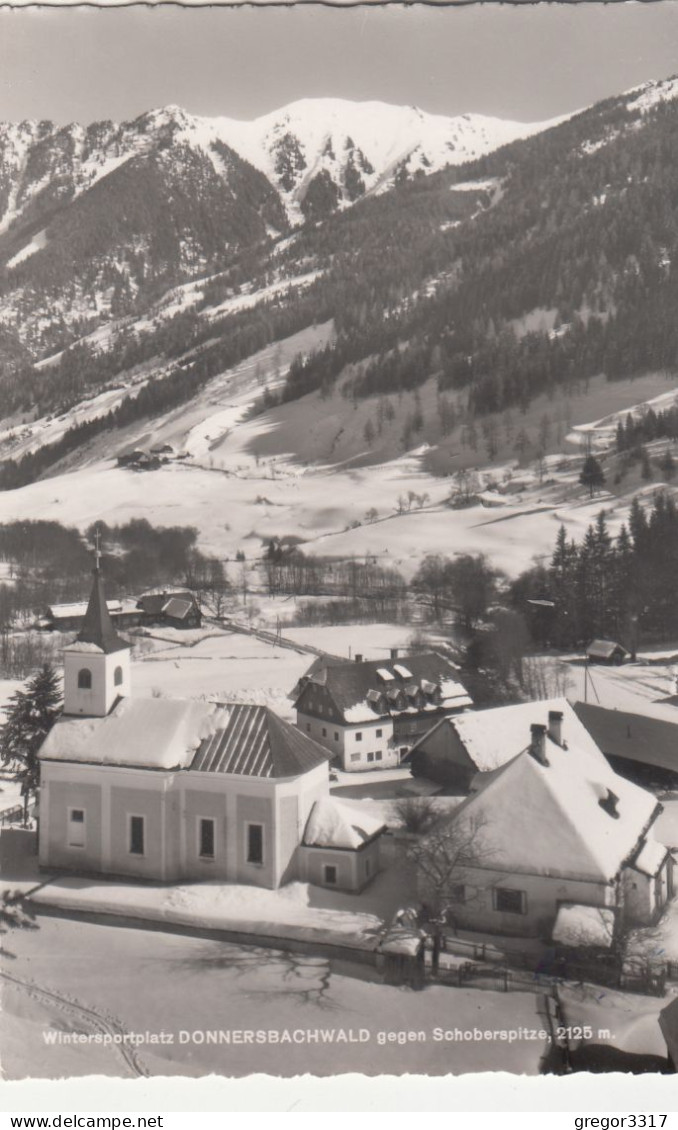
357	147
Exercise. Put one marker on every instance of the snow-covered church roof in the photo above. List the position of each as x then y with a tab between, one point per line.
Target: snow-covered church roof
144	733
205	737
335	824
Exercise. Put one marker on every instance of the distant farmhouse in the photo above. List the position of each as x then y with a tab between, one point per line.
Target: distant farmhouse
606	651
70	617
168	789
638	746
176	608
558	832
369	714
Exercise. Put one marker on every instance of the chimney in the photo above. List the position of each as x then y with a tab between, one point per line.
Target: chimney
556	726
394	653
538	743
609	803
358	658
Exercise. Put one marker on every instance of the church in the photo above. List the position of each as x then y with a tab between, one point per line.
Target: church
182	789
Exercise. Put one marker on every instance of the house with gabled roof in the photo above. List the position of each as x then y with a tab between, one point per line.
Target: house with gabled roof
606	651
369	713
179	789
177	608
457	748
556	826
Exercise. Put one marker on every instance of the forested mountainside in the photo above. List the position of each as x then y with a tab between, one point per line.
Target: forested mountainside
545	261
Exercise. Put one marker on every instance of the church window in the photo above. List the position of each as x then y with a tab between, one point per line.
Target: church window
84	679
207	839
76	827
117	676
255	843
136	835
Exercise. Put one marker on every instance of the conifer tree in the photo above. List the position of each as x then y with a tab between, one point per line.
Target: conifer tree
29	717
592	475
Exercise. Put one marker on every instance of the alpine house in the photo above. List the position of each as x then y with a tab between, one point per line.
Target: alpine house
556	828
368	714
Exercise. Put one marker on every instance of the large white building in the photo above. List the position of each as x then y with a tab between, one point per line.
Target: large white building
369	714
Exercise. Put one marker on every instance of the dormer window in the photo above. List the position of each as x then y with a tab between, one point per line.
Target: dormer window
84	679
117	677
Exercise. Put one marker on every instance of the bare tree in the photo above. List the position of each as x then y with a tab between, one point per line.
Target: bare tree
416	814
444	859
544	678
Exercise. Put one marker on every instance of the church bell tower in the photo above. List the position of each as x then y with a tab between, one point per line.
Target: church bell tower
97	663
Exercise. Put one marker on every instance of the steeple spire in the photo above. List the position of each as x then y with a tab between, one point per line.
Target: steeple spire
97	627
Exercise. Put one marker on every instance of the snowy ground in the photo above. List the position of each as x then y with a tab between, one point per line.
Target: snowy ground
237	498
227	665
121	978
634	687
630	1018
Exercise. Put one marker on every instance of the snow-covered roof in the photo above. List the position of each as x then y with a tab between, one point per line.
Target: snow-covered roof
367	690
334	824
634	737
650	857
604	649
493	737
552	817
578	925
403	671
78	608
146	733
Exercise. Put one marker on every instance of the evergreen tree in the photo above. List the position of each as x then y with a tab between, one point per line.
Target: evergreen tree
592	475
30	715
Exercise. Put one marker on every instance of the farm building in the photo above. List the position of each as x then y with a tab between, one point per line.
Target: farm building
369	714
479	741
606	651
176	608
70	617
636	745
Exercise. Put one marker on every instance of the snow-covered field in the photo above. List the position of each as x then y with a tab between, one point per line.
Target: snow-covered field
228	666
121	977
634	687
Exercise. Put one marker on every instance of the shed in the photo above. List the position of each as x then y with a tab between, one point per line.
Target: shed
340	847
606	651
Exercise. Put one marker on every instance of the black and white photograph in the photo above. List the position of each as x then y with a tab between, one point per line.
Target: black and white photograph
339	541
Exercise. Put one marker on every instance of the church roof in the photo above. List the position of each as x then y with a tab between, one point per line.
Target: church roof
254	742
97	627
166	733
141	733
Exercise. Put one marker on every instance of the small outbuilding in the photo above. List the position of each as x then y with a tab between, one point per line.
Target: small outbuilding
340	847
606	651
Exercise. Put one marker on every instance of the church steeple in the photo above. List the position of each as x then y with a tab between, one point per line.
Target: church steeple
97	627
97	663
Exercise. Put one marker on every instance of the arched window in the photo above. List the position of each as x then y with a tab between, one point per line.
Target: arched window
117	676
84	679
